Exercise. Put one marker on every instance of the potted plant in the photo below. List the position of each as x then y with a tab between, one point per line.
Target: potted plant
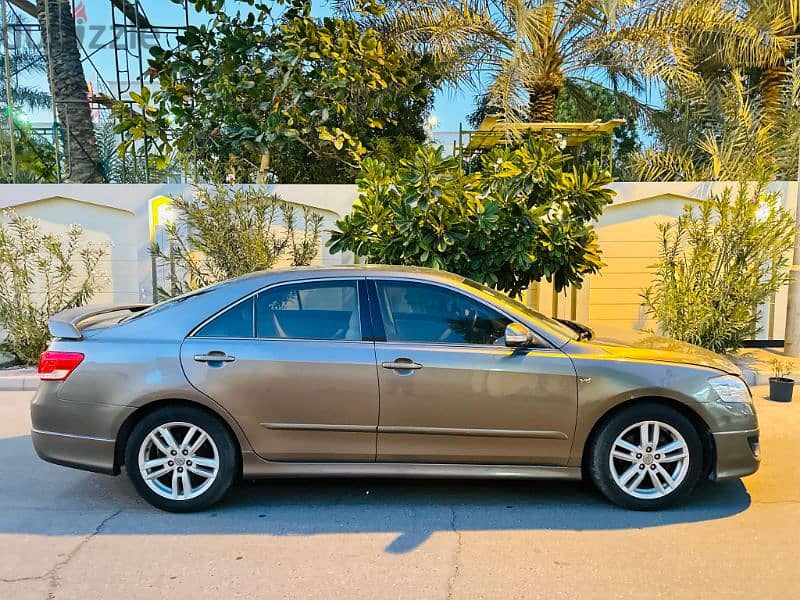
780	385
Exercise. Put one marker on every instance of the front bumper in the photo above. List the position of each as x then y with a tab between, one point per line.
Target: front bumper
75	434
738	454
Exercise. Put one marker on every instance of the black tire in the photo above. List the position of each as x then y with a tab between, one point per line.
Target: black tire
216	430
600	452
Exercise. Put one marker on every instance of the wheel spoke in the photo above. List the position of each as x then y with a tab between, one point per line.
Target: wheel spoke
161	472
656	435
201	472
636	482
673	457
198	442
665	474
628	475
158	443
656	481
187	439
627	446
167	435
174	486
628	456
644	434
671	447
156	462
186	483
205	462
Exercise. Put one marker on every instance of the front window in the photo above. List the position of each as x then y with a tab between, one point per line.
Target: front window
418	312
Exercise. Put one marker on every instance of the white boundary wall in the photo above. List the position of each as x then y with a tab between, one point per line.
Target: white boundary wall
120	214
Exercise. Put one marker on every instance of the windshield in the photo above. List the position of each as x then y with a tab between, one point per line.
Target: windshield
535	315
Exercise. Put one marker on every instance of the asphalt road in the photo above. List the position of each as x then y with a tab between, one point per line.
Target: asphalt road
70	534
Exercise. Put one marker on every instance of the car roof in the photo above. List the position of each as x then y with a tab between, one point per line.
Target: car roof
290	273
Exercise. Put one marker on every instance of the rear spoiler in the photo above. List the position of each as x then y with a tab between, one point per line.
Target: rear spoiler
65	324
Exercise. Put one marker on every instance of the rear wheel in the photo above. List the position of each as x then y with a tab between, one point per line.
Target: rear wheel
181	459
646	457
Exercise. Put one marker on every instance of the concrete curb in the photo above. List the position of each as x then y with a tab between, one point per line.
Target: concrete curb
18	380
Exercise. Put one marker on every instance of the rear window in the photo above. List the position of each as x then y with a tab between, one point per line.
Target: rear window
236	322
324	310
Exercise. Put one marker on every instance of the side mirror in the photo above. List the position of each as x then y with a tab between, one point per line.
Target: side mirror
517	335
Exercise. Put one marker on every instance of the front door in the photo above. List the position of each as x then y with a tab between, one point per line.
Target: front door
452	392
290	365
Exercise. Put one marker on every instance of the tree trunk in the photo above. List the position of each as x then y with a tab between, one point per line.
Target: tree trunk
60	45
771	86
543	103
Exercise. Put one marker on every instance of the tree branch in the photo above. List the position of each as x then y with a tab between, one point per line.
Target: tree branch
28	8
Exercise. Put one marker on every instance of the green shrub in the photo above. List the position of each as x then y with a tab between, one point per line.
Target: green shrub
718	263
224	232
40	275
522	216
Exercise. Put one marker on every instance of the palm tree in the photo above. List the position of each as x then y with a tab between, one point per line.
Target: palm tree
739	117
531	50
61	48
719	131
782	19
24	61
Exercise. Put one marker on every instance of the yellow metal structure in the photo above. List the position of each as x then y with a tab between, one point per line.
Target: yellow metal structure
493	131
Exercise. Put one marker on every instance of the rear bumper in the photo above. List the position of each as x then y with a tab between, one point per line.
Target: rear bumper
79	452
738	454
75	434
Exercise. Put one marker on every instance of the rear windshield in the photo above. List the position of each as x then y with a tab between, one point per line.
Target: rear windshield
156	308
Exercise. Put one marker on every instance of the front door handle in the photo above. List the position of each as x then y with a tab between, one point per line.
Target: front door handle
402	364
214	357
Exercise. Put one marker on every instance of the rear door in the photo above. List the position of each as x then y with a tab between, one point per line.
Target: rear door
291	364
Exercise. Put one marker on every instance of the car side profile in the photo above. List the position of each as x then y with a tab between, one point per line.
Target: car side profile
380	371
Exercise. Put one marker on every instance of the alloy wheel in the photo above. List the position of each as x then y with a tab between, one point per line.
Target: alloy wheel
649	460
178	461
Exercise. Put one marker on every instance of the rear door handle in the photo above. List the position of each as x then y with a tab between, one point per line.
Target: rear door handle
402	364
214	357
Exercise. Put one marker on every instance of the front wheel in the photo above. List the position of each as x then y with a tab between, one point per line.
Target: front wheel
181	459
646	457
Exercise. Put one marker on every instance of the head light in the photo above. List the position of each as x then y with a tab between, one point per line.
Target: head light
731	389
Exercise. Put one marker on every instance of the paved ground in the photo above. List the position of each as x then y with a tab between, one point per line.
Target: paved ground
758	364
69	534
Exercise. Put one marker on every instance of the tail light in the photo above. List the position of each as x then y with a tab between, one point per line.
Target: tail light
57	366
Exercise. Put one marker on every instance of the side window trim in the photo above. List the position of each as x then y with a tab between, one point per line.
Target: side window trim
365	312
378	327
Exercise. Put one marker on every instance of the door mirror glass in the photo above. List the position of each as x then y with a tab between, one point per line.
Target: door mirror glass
518	335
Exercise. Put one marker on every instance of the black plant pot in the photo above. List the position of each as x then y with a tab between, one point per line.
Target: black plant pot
780	389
